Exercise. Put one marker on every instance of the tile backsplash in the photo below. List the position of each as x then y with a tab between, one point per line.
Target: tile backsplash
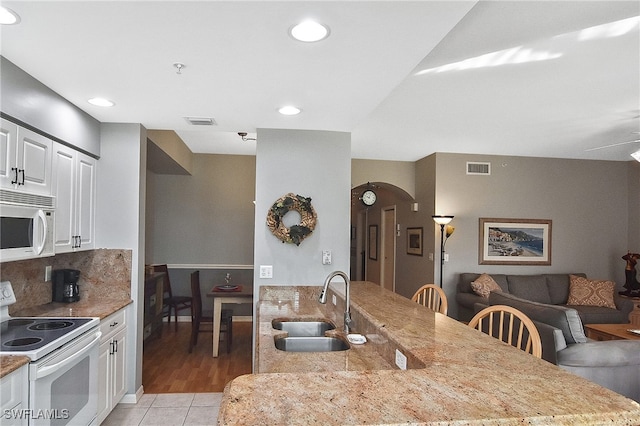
105	274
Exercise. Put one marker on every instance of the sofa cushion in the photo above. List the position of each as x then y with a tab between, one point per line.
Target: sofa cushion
558	285
530	287
464	284
600	315
583	291
484	284
566	319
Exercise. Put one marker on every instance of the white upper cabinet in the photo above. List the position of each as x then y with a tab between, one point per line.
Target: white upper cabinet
25	159
74	177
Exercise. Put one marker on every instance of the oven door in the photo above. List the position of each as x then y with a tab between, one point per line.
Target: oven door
63	386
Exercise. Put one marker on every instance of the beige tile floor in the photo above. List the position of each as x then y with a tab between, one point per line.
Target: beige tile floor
168	409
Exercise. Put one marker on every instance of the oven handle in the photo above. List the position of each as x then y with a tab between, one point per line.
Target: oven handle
49	369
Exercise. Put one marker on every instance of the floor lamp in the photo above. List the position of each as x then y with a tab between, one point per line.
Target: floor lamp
442	221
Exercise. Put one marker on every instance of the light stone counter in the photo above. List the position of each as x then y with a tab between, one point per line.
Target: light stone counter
456	375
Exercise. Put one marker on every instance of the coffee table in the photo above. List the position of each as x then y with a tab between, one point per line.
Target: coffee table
611	331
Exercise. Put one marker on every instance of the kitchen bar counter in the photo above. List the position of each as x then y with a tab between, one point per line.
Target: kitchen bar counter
456	375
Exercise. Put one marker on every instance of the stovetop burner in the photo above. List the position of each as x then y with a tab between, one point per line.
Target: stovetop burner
52	325
26	341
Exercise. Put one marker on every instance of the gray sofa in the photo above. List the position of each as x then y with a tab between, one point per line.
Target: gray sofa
613	364
551	289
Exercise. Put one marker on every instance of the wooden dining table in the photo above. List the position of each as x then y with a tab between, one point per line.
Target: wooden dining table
243	294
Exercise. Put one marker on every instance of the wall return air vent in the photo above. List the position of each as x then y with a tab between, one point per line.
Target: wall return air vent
476	168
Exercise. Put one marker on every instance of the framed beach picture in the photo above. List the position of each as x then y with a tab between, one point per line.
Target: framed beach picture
414	241
514	242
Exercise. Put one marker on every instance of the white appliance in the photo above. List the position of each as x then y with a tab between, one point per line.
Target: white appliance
26	226
63	372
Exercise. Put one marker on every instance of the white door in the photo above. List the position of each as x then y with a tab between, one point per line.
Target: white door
64	178
85	201
34	162
388	248
8	156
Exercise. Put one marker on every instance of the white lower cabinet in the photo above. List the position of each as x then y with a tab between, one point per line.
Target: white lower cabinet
14	397
112	381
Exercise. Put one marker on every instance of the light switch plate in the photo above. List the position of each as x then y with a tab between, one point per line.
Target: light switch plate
326	257
266	271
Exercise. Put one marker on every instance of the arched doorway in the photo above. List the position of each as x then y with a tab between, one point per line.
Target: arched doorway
375	232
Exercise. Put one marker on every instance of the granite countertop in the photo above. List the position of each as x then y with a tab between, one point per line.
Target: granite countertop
82	308
456	375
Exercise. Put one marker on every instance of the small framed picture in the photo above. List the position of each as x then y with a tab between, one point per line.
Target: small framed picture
514	242
373	242
414	241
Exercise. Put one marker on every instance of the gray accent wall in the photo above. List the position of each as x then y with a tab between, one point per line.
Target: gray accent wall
206	217
30	103
589	202
314	164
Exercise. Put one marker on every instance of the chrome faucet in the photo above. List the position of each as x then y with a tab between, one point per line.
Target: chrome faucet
323	296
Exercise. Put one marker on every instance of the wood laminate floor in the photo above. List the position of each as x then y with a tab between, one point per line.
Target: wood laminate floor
168	367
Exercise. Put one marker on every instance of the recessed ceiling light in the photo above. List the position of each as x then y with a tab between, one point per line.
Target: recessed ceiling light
101	102
8	16
309	31
289	110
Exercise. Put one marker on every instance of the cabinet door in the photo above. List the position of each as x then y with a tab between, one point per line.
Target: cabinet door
64	178
34	162
85	201
8	153
104	381
119	372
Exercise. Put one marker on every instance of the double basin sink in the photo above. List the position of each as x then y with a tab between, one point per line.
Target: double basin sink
307	336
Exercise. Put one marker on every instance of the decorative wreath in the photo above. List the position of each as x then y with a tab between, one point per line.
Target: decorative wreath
296	233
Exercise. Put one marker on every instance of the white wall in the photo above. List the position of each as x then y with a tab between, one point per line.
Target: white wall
120	216
314	164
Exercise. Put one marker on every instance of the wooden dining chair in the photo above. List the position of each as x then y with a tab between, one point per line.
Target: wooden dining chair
433	297
169	301
226	324
509	325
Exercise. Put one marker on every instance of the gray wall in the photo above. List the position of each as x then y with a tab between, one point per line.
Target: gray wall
205	218
588	202
314	164
69	125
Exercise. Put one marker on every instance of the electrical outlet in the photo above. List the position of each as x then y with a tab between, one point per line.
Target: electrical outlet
47	273
401	360
334	300
431	257
266	271
326	257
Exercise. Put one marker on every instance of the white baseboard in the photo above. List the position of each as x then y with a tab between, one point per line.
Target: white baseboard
236	318
132	398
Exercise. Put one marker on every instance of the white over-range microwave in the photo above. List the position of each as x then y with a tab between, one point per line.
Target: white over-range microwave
26	226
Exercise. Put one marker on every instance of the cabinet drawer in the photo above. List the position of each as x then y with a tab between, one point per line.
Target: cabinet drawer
112	324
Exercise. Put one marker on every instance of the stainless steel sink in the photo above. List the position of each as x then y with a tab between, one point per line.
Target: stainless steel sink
311	344
303	328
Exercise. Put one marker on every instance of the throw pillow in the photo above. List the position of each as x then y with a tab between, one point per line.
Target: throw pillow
583	291
484	284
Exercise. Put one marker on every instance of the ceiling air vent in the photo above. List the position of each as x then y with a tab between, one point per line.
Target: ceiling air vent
475	168
201	121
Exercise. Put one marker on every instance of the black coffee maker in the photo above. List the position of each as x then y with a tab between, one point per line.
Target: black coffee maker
65	285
